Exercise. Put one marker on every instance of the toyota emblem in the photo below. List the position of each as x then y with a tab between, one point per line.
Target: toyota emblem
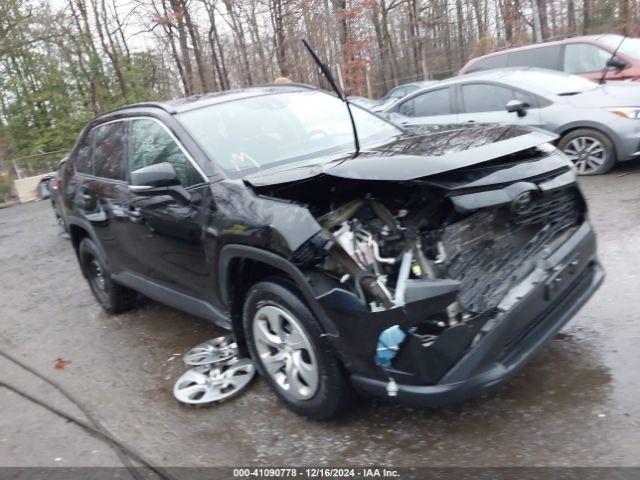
522	202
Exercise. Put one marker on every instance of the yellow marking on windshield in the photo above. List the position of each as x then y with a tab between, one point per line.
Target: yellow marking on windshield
243	157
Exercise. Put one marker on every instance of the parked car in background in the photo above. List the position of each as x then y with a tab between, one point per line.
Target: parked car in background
597	125
401	91
43	187
391	97
425	268
586	56
54	195
364	102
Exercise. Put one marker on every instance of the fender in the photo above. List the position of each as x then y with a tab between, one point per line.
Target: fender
233	251
86	226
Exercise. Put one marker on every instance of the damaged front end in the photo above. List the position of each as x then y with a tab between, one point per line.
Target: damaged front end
436	280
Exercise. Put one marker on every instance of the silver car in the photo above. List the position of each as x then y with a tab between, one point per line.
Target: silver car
401	91
597	125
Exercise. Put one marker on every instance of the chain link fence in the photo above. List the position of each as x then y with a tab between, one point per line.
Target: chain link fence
26	167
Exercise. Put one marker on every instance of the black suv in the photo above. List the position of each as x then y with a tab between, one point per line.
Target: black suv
427	266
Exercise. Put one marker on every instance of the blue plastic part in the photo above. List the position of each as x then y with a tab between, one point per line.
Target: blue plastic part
388	344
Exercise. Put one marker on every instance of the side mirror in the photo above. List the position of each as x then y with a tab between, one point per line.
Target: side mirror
617	63
157	179
517	106
153	177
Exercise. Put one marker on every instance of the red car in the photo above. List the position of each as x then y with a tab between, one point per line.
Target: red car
586	56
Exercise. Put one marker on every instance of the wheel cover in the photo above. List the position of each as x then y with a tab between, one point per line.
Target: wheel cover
286	352
213	383
216	350
587	154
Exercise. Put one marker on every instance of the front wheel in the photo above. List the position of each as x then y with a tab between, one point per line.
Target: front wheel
591	152
290	352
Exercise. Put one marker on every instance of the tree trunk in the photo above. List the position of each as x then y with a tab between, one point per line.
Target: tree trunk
586	17
217	53
571	17
197	50
623	8
178	16
537	21
238	33
277	18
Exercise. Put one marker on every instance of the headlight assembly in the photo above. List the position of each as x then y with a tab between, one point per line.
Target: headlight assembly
627	112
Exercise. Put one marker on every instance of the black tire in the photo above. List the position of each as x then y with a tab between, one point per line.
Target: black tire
113	298
586	165
335	392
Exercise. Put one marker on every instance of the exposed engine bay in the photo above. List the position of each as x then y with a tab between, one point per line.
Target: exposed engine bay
381	244
376	246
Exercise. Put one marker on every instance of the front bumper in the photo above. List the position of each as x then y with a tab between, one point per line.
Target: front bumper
625	133
526	320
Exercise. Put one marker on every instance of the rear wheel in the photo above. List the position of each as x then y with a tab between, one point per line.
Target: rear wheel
290	352
112	297
591	151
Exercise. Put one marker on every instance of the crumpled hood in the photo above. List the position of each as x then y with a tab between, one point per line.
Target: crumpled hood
421	152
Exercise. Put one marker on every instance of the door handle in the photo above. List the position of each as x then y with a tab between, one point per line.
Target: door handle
471	121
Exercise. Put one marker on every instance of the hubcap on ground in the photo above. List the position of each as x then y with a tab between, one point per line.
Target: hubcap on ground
586	153
206	384
286	352
216	350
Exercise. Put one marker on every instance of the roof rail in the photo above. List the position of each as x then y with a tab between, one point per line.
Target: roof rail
557	37
160	105
290	84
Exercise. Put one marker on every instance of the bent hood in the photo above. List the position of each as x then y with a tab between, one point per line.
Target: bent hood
421	152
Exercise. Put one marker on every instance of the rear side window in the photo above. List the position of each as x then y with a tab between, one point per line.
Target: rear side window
150	144
83	160
109	150
397	93
584	58
541	57
479	97
437	102
489	63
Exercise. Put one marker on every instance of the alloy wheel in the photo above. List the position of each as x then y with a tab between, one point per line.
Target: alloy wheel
286	352
586	153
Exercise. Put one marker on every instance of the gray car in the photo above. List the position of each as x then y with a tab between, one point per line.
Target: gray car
399	92
597	125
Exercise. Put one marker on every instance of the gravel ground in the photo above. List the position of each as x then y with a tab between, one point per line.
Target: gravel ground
575	404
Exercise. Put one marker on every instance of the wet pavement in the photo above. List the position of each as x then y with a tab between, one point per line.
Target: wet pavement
575	404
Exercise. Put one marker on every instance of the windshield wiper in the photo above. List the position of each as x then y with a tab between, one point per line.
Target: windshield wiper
327	73
613	55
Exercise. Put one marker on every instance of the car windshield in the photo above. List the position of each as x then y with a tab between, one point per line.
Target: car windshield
283	129
630	47
555	83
